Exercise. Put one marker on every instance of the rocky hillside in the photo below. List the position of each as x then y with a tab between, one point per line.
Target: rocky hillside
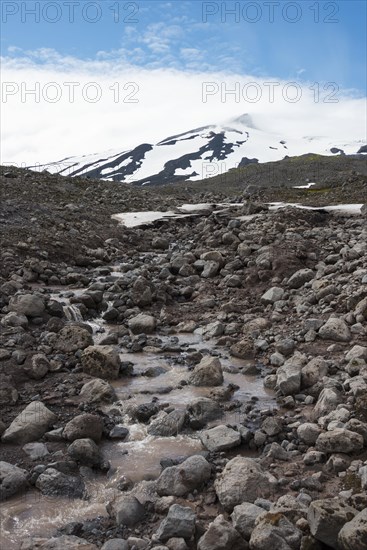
198	383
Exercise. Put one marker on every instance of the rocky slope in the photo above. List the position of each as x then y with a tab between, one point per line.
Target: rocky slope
194	312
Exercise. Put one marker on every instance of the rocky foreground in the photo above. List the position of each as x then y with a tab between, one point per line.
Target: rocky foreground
280	297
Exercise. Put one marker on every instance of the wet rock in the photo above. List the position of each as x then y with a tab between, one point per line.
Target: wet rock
116	544
301	277
207	373
72	338
67	542
181	480
84	426
86	452
12	480
339	441
179	523
30	424
353	535
244	517
141	293
213	330
36	366
203	410
220	438
221	535
326	518
54	483
243	480
142	324
272	426
27	304
272	295
336	330
101	361
127	510
166	425
118	432
144	412
96	391
273	530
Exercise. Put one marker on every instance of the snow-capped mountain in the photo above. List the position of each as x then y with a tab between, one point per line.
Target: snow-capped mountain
197	154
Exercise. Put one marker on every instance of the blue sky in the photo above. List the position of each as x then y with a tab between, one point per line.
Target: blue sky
316	41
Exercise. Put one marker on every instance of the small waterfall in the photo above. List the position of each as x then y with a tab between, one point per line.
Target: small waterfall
72	313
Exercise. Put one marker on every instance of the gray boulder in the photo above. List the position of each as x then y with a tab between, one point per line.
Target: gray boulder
272	295
207	373
289	375
326	518
127	510
27	304
36	366
313	372
221	535
336	330
353	535
328	400
339	441
275	531
54	483
301	277
67	542
86	452
101	362
308	433
243	480
179	523
244	517
116	544
72	338
142	324
12	480
84	426
30	424
166	425
181	480
203	410
220	438
96	391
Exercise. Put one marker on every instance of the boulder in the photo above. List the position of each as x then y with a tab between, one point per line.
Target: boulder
203	410
336	330
339	441
72	338
289	375
207	373
67	542
35	451
116	544
127	510
221	535
142	324
301	277
101	361
84	426
96	391
166	425
244	349
326	518
353	535
274	531
220	438
328	400
12	480
308	433
13	319
36	366
30	424
244	517
86	452
27	304
54	483
179	523
313	372
184	478
357	352
272	295
243	480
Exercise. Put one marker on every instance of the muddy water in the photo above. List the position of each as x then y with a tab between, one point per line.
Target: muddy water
138	457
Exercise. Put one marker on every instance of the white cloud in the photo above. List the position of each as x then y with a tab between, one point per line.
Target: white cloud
170	101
